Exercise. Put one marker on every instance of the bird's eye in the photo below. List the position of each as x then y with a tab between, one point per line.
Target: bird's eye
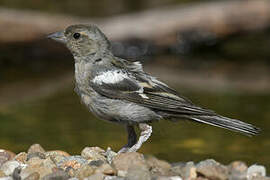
76	35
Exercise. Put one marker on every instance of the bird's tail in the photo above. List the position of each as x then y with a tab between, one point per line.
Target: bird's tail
227	123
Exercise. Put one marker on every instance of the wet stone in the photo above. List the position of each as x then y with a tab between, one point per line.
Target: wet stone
212	169
36	148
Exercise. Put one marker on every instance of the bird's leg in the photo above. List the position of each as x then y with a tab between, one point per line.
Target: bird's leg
132	138
146	132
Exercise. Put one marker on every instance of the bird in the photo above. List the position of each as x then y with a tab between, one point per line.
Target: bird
118	90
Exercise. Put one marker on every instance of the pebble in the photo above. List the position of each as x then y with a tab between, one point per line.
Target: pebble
5	156
35	148
21	157
114	178
212	169
256	171
238	170
185	170
8	167
93	153
138	173
33	176
157	166
59	175
6	178
122	162
98	176
96	164
105	169
71	161
170	178
84	171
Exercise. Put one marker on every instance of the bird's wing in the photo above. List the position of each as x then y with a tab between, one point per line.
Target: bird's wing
145	90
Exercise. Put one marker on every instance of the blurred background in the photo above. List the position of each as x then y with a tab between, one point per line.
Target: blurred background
214	52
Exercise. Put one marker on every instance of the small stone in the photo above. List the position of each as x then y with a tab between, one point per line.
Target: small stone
57	152
5	156
138	173
185	170
35	161
106	169
212	169
35	154
96	163
98	176
238	170
16	173
35	166
6	178
256	171
9	166
169	178
36	148
122	162
114	178
59	175
72	161
21	157
2	174
33	176
84	171
93	153
158	167
48	163
110	155
73	178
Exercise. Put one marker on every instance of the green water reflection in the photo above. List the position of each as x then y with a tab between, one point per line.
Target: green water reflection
61	122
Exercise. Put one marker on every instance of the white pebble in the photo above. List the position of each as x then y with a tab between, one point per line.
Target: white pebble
9	166
256	170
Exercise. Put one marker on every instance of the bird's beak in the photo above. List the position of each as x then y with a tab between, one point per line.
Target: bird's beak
58	36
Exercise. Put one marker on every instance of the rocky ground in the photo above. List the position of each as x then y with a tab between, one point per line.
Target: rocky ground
95	163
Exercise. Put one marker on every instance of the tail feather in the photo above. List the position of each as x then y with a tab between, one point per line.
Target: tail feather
227	123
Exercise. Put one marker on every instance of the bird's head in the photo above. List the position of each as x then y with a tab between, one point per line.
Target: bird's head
82	40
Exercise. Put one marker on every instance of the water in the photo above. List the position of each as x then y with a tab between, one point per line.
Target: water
61	122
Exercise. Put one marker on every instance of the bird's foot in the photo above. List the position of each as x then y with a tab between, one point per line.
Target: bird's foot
123	150
146	132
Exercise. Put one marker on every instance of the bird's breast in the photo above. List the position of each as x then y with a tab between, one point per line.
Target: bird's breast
82	73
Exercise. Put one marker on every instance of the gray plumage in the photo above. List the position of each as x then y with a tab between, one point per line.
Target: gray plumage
120	91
